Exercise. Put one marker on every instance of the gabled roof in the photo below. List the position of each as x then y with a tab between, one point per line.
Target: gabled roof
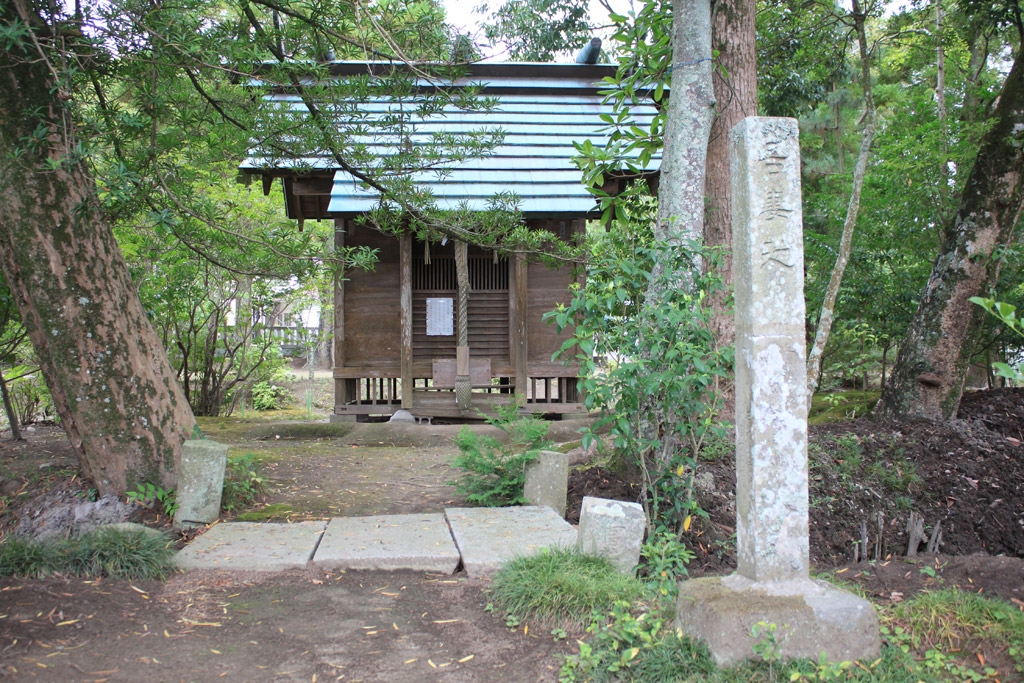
542	109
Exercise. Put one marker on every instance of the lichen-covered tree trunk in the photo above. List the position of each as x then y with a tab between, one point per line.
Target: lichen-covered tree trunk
687	126
935	354
684	152
111	383
735	84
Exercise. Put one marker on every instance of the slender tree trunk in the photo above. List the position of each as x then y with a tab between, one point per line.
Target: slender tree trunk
885	354
928	377
687	126
12	416
940	70
107	372
977	45
687	129
828	305
735	89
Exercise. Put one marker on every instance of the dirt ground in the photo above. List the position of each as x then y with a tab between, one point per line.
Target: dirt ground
295	626
304	625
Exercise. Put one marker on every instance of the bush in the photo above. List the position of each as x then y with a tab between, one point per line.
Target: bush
650	365
496	471
155	498
267	396
243	483
627	646
112	553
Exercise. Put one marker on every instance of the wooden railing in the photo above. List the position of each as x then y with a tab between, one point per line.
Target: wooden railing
293	340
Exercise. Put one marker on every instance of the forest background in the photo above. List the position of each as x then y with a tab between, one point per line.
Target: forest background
124	122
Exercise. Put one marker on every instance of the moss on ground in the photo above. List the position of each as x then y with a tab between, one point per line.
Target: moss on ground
277	511
841	405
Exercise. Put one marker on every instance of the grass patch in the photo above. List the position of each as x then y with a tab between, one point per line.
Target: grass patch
717	446
114	553
560	589
275	511
949	627
942	636
893	470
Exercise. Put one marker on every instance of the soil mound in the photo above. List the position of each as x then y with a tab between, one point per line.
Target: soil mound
964	477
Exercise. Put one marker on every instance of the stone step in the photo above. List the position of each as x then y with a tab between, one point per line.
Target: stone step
489	537
253	546
419	542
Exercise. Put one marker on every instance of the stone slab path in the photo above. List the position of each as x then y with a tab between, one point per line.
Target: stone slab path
421	542
489	537
253	546
482	539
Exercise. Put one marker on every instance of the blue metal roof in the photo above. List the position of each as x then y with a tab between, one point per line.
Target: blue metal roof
540	117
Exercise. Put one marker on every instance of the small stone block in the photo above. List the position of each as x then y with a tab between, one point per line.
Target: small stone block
547	480
200	482
614	530
489	537
253	546
402	415
811	617
418	542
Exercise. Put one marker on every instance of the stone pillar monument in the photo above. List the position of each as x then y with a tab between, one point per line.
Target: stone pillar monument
772	583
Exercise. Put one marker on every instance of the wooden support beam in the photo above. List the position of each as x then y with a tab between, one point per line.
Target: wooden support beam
341	387
405	302
517	309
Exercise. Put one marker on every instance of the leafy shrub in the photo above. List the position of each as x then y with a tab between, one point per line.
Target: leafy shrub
267	396
626	646
155	498
665	558
650	365
243	483
104	552
1007	314
495	472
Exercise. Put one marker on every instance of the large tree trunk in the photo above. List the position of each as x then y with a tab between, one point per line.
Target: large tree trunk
935	354
111	383
735	83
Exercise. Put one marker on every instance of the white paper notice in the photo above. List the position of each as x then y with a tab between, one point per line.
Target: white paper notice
440	317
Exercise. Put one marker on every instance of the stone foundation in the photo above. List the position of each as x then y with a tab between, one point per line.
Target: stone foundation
811	617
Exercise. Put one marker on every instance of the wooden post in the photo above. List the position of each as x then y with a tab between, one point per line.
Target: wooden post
405	296
517	310
341	393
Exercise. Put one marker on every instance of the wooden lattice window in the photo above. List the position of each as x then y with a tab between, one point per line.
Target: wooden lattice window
488	304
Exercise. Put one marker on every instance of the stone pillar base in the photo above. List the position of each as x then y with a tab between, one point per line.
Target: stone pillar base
810	616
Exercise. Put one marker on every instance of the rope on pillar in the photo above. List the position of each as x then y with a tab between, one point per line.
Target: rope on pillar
463	384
